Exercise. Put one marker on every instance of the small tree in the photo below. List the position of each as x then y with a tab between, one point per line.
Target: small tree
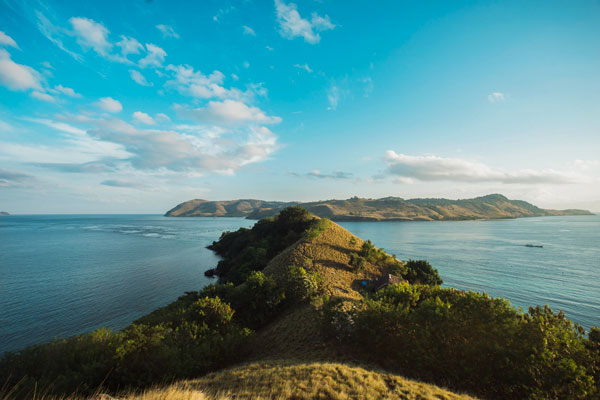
420	271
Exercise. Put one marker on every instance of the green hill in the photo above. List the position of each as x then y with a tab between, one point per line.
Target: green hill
297	314
494	206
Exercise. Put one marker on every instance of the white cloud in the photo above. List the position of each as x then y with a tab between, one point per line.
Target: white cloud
91	34
123	183
304	67
232	112
162	117
129	45
5	126
66	91
167	31
54	34
196	84
248	31
139	78
17	76
59	126
6	40
110	105
495	96
12	178
292	25
170	150
337	175
154	58
433	168
333	97
43	96
143	118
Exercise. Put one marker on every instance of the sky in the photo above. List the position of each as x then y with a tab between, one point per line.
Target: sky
136	106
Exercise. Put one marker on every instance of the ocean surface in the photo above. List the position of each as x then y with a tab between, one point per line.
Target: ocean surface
66	274
491	257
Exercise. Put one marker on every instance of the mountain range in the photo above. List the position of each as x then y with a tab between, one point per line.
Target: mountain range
493	206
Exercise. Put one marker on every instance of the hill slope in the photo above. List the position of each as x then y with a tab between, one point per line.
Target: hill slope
493	206
280	380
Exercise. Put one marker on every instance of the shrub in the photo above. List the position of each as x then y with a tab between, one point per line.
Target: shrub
358	262
299	285
248	250
420	271
471	342
187	338
258	300
318	226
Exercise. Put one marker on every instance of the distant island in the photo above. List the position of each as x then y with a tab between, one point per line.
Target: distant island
3	213
493	206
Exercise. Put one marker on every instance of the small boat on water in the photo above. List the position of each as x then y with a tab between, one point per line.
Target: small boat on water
533	245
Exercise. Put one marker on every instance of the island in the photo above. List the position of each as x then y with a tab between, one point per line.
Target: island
304	309
3	214
493	206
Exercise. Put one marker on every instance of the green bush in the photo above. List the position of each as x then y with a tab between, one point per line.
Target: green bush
248	250
299	285
185	339
257	300
318	226
358	262
471	342
420	271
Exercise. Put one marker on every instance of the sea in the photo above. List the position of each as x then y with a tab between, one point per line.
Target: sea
62	275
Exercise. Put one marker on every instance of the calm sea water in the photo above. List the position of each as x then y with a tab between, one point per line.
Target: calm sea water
63	275
491	256
66	274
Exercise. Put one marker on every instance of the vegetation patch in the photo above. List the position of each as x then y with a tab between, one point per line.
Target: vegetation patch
469	341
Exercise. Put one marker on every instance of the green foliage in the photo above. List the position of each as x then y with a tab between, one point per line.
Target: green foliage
469	341
358	262
414	271
420	271
317	227
299	285
185	339
258	300
248	250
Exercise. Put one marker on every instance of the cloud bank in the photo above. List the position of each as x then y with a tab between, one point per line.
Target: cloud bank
434	168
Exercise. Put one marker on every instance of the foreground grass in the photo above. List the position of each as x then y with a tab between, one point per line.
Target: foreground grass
282	380
278	380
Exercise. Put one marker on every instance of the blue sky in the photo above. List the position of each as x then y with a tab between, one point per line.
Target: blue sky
137	106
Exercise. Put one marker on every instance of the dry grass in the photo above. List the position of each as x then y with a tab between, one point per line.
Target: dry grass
296	335
278	380
284	380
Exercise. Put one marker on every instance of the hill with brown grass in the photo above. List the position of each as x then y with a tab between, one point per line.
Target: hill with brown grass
493	206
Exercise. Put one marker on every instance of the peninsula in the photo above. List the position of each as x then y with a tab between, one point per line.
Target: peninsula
303	309
493	206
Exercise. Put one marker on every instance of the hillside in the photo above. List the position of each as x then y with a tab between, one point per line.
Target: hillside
493	206
297	314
